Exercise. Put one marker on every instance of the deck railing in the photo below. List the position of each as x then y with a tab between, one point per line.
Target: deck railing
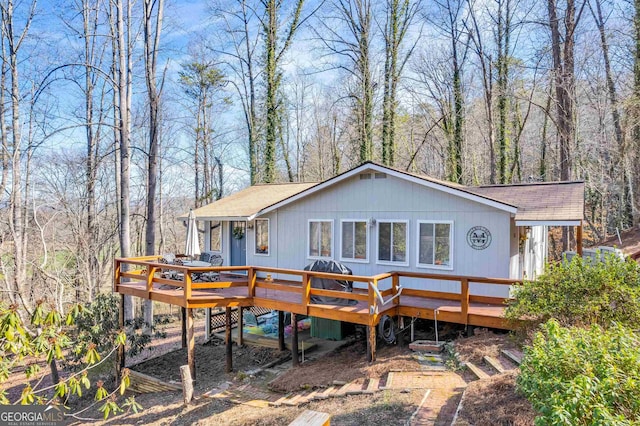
149	270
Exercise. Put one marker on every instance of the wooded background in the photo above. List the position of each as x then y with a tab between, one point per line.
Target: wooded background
116	116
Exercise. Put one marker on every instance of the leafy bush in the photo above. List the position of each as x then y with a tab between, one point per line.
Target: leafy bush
98	324
578	376
580	292
24	347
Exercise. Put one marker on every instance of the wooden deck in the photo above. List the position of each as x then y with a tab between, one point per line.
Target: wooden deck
249	286
243	286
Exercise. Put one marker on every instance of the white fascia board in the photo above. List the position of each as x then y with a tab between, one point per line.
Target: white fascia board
217	218
548	223
377	168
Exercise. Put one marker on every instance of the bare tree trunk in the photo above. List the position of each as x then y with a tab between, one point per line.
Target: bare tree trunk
122	80
562	47
152	30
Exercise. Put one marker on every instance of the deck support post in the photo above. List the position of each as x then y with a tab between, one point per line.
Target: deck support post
294	340
228	340
183	320
470	330
281	346
240	326
121	354
371	343
191	344
579	239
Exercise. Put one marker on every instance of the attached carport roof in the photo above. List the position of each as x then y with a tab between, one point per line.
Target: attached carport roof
546	203
246	203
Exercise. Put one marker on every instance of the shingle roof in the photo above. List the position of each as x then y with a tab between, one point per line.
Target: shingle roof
249	201
547	201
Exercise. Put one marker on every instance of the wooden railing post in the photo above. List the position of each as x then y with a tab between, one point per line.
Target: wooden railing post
395	285
373	314
464	299
116	275
251	281
151	271
187	288
306	290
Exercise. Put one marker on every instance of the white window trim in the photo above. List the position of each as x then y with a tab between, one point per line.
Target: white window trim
309	239
255	236
221	229
451	251
353	260
390	262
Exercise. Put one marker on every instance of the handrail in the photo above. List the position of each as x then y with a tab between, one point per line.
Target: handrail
145	269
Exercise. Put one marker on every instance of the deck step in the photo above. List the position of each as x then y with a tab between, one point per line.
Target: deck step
372	386
476	371
493	363
294	400
310	396
329	392
512	356
343	390
279	402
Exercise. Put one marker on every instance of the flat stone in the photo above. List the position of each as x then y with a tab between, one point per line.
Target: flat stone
427	346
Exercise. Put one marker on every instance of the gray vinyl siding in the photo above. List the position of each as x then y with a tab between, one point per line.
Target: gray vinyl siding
391	199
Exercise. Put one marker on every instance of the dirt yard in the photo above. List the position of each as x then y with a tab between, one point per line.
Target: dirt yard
489	401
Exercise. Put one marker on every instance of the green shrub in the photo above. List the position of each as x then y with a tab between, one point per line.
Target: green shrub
580	293
98	324
583	376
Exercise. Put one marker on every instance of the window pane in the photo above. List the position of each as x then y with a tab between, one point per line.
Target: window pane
314	239
399	242
347	240
384	241
443	244
262	236
325	248
361	240
216	236
426	244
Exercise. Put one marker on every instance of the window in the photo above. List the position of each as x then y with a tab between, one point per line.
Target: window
215	236
354	240
262	236
321	238
434	244
392	241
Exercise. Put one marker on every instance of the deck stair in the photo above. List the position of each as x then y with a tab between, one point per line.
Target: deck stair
356	387
494	363
514	357
476	371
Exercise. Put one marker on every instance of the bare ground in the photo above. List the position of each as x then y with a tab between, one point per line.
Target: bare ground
490	401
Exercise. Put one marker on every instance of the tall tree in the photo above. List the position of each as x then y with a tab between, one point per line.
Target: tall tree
200	81
399	16
120	24
14	39
242	64
352	40
152	28
562	49
627	207
275	50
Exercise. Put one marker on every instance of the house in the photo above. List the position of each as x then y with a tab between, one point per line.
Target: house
375	219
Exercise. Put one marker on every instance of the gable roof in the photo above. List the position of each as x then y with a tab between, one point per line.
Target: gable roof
547	203
248	202
448	187
558	202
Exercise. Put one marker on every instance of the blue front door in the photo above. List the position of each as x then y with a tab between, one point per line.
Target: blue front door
238	243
